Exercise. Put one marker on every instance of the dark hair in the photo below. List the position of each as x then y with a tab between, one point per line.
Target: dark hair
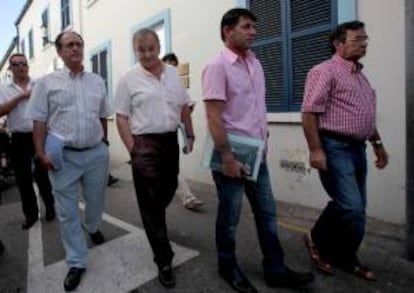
339	33
58	45
170	57
16	55
231	18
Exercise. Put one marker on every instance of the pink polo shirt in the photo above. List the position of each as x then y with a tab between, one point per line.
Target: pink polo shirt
340	93
240	83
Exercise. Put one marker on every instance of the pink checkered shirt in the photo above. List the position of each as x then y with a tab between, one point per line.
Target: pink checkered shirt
340	93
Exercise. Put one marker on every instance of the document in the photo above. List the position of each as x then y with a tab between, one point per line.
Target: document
247	150
54	149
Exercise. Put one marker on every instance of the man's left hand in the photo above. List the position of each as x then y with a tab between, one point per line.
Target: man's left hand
190	146
382	157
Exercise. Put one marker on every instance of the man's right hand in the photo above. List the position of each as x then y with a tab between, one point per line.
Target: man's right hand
45	162
25	94
231	167
317	159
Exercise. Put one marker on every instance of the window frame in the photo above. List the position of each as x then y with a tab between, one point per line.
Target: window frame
30	39
65	14
105	46
46	25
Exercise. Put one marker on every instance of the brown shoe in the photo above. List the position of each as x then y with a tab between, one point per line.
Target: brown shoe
319	262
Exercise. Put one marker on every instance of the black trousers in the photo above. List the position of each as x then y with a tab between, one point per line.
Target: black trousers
22	157
155	166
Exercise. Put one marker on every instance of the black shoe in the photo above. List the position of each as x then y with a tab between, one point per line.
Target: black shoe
29	223
97	237
166	276
73	278
1	247
50	214
288	279
237	280
112	180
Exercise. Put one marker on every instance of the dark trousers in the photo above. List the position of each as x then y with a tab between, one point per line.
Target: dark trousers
339	230
22	156
154	161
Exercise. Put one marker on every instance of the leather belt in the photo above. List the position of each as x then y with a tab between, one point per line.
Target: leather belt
341	137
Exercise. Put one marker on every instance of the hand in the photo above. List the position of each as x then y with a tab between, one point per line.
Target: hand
317	159
45	162
190	146
232	168
25	94
382	157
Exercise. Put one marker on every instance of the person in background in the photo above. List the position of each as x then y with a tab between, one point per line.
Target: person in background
338	118
188	199
72	104
150	102
13	102
233	85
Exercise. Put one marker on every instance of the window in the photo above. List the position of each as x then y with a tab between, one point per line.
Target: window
30	37
23	47
45	27
65	13
161	25
100	65
292	36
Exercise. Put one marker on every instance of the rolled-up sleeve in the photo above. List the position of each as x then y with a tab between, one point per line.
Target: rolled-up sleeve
317	90
38	107
123	98
214	82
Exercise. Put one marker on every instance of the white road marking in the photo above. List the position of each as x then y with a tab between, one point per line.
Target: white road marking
119	265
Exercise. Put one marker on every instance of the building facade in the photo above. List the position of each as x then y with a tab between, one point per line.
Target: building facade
292	36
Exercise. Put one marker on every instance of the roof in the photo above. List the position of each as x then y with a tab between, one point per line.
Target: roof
12	45
23	11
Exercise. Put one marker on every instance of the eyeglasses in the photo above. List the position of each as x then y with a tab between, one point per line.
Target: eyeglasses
359	40
20	64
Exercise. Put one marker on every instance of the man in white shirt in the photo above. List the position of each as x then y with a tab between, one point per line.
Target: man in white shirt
14	97
72	104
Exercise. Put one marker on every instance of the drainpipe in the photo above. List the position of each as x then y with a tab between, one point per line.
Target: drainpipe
409	38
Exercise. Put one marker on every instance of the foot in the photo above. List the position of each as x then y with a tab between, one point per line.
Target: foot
73	278
193	203
318	261
237	280
112	180
288	279
29	223
97	237
364	273
166	276
50	214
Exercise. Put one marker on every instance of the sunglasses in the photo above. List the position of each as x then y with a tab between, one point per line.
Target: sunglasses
21	64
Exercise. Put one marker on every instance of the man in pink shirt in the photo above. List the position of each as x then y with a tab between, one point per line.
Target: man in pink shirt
338	118
234	94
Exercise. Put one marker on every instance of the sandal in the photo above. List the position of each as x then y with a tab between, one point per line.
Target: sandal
364	273
321	264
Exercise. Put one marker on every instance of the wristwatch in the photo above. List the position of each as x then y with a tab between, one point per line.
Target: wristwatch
376	142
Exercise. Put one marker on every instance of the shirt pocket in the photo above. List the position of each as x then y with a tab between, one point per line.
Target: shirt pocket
61	99
93	102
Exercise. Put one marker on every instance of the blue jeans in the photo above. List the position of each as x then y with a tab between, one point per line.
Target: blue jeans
340	228
230	194
89	170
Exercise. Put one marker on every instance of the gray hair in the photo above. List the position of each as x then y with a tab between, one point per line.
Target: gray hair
142	33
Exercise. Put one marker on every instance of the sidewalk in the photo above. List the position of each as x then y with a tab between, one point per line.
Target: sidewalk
112	265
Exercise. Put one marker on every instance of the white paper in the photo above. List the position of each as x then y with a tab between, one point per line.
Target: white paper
247	150
54	149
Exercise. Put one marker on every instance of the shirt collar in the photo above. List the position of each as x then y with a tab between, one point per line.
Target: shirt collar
31	83
70	73
233	57
352	67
